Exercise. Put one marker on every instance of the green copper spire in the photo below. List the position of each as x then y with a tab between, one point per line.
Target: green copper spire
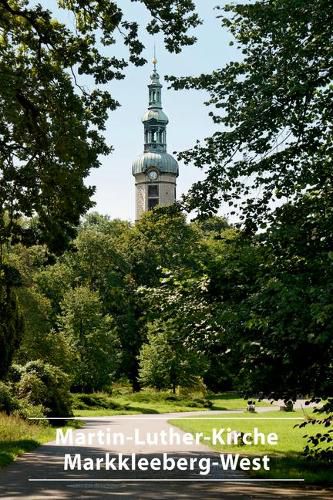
155	87
155	120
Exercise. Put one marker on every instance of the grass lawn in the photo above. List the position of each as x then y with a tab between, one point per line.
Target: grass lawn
18	436
231	401
150	402
147	402
286	456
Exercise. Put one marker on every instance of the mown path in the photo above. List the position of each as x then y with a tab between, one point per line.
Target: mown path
47	463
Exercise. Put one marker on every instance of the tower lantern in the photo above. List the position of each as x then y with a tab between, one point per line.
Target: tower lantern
155	171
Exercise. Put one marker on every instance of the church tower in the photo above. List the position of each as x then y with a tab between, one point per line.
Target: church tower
155	171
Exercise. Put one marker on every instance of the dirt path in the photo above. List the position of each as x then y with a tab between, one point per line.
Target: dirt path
46	467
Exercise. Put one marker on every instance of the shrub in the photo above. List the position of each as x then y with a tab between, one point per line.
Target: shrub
15	372
44	384
200	403
99	400
32	389
26	410
171	398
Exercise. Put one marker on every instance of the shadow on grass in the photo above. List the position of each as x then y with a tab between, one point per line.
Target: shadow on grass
10	449
227	396
222	408
109	412
142	410
218	399
75	424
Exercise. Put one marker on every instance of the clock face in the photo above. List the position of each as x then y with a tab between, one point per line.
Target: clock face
152	175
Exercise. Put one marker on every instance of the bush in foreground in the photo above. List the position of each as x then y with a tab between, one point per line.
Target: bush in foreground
46	387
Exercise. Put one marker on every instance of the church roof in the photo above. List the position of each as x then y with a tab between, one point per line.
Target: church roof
155	114
155	123
163	162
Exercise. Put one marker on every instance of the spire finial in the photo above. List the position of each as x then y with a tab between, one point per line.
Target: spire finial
154	59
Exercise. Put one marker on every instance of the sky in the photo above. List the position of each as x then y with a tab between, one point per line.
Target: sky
188	116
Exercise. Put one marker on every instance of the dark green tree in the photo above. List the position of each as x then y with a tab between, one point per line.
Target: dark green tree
11	320
270	161
165	362
91	337
289	330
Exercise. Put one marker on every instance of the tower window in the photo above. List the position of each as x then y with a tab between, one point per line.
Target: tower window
152	202
153	191
153	196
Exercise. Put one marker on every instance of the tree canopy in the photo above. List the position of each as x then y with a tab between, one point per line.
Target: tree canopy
51	128
272	108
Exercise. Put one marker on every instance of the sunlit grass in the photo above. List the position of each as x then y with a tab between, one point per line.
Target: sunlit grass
232	401
17	436
286	456
290	439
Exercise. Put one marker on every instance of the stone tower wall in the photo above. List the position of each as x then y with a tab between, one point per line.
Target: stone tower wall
167	191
